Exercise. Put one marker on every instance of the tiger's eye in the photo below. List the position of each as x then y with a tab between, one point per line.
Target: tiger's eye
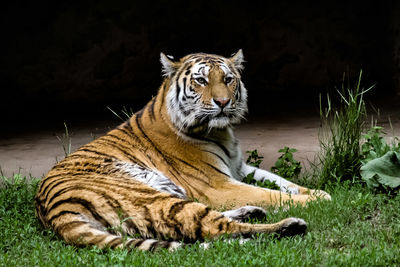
201	80
228	80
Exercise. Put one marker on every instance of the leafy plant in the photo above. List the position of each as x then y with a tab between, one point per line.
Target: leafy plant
255	160
381	161
286	166
383	172
375	145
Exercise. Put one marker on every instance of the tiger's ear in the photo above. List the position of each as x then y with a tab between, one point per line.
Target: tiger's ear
237	59
169	67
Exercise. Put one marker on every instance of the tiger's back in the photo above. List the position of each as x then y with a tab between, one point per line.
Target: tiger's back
141	179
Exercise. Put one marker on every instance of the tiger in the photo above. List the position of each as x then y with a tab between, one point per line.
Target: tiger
159	179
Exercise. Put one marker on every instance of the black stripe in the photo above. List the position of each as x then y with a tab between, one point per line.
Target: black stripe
84	156
56	183
128	130
61	213
181	71
153	246
215	168
218	218
163	95
199	227
115	242
80	187
150	228
218	156
132	226
49	187
138	243
184	87
140	128
221	226
184	90
178	90
60	228
122	183
40	209
174	224
130	189
224	149
121	148
177	207
87	147
46	181
152	114
137	139
99	239
84	203
164	244
66	171
239	92
118	138
193	167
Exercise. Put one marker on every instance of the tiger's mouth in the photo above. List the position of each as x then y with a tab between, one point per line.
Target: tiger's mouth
221	114
220	119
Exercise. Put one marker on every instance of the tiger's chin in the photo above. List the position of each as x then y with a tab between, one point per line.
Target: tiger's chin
219	123
205	127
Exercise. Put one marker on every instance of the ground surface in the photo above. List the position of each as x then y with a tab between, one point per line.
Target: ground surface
34	153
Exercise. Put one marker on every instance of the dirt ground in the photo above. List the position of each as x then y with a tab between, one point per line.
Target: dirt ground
33	154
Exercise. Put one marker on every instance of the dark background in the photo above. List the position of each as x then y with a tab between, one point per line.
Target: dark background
66	60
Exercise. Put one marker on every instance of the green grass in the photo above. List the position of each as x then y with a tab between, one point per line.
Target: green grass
356	228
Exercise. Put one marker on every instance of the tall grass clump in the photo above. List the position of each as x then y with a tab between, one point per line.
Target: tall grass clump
339	158
65	141
126	113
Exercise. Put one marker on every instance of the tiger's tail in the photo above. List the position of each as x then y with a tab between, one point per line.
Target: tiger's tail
84	233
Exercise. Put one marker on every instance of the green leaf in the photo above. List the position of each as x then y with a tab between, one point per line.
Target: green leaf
384	170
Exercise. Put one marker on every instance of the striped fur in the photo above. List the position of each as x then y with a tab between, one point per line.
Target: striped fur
154	180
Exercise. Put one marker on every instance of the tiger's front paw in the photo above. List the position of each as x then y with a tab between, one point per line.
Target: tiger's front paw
293	190
315	194
245	213
320	194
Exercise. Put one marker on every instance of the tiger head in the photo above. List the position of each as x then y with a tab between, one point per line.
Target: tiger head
205	91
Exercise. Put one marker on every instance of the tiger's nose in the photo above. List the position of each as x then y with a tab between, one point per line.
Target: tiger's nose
221	102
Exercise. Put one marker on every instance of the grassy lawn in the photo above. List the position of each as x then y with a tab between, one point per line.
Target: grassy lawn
356	228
